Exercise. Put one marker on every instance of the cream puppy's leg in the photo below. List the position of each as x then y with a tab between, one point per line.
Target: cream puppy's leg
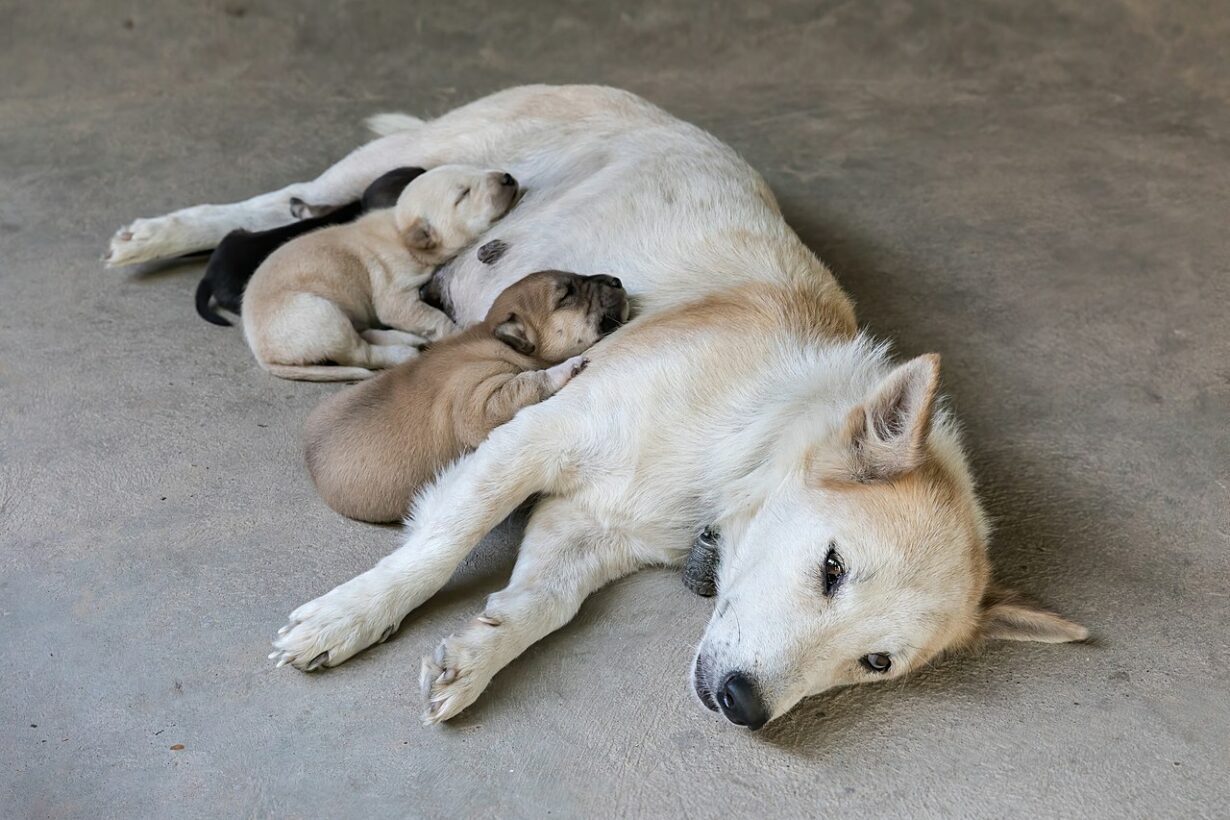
310	330
565	556
397	338
409	313
530	454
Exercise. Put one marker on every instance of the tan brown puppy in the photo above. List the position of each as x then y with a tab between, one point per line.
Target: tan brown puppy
370	447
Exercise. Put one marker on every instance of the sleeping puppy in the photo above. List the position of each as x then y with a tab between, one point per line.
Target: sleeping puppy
340	302
241	252
370	447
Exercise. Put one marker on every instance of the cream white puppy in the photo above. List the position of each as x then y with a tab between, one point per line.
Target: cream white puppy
341	302
853	545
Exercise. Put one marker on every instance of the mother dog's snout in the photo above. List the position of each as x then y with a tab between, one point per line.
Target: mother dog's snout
741	702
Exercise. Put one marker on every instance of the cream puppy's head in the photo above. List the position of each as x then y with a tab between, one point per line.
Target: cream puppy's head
866	560
447	208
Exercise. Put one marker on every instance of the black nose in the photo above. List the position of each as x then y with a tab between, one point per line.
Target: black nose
741	703
507	179
609	281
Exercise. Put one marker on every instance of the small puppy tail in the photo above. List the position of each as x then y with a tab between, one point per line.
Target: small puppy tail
205	292
391	123
319	372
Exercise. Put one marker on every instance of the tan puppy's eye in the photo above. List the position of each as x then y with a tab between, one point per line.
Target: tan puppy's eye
464	194
570	290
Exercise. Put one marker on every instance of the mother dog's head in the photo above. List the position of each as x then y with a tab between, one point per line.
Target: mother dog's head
868	561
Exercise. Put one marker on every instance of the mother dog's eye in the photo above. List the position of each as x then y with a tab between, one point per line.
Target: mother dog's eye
834	571
464	194
877	662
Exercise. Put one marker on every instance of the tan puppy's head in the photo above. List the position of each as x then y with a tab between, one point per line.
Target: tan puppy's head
447	208
867	561
552	315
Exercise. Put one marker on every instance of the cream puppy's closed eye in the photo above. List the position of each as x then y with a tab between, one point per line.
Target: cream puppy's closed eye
450	206
343	302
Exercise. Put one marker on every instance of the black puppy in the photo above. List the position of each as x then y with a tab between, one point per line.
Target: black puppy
241	252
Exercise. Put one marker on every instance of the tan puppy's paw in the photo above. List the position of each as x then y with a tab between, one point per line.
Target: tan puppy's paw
565	371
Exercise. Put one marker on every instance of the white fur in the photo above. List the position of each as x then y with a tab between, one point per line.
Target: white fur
660	437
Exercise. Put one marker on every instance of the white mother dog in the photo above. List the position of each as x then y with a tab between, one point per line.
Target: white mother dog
854	548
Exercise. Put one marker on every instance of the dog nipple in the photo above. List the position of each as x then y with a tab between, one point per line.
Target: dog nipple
491	252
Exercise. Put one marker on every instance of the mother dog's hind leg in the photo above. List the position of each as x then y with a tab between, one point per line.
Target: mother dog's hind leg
565	556
202	226
525	456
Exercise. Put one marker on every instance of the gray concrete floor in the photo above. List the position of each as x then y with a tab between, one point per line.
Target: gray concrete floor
1037	190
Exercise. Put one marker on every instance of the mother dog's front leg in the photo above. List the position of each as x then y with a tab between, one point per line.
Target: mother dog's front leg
565	556
448	520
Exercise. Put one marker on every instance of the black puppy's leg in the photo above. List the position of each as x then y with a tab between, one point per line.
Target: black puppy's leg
700	570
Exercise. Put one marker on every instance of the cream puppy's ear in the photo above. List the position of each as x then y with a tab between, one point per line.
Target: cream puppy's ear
514	333
421	235
1006	616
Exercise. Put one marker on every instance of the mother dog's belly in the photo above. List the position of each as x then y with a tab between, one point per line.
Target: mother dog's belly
649	204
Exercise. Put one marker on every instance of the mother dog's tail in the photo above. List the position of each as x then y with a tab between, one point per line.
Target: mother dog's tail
391	123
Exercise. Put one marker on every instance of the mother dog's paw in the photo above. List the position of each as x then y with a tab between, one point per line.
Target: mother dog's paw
452	678
144	240
328	631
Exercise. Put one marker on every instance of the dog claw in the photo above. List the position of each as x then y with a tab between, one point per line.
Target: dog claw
318	661
488	620
282	661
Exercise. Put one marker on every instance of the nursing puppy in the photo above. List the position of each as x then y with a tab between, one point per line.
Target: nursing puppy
371	447
742	397
315	308
241	252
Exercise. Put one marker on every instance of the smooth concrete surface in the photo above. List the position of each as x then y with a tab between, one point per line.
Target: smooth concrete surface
1036	190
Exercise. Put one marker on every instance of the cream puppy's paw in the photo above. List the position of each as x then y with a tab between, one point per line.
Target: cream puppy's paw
329	630
458	671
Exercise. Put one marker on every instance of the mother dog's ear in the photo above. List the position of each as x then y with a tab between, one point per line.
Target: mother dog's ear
1006	616
886	435
514	333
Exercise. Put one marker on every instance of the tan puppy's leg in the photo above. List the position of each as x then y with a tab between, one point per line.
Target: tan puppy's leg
409	313
520	391
565	556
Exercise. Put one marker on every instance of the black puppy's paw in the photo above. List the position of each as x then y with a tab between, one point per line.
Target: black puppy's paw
700	570
491	252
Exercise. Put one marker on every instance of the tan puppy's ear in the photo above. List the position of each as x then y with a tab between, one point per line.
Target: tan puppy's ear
514	333
885	436
1008	617
421	235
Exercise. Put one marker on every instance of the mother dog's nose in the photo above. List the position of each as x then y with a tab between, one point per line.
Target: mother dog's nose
507	179
741	703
